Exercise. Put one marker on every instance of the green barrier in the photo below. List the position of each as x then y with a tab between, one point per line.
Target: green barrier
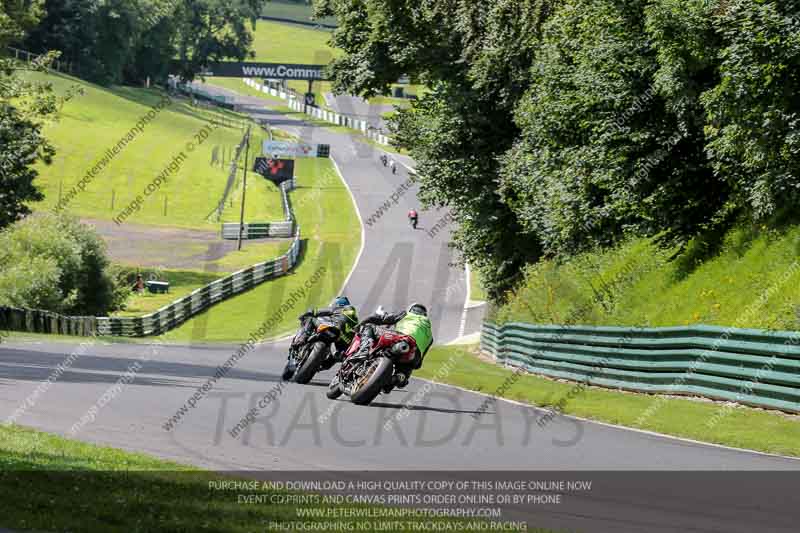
753	367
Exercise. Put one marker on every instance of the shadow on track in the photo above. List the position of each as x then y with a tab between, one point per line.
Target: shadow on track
37	366
427	408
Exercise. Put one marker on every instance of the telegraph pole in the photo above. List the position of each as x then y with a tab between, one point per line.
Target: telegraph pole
244	184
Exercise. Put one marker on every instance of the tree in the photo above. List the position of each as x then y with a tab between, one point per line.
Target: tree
213	30
116	41
53	262
753	125
612	142
23	107
474	57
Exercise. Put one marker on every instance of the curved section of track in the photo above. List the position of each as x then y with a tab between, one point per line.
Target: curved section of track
422	428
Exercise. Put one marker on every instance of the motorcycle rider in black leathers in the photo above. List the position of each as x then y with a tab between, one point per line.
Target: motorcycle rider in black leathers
345	317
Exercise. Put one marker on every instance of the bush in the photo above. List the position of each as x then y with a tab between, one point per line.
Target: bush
54	262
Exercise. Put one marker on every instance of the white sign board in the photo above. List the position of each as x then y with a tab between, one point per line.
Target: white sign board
283	149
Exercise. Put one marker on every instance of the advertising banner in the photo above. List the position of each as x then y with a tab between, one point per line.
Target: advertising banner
275	170
274	71
285	149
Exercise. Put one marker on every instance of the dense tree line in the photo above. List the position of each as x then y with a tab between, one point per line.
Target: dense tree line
553	127
128	41
47	261
24	106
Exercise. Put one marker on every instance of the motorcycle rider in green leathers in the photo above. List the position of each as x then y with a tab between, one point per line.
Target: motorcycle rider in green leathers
413	322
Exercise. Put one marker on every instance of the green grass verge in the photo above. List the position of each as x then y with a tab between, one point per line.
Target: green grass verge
52	484
331	235
742	427
48	483
750	282
290	43
299	11
476	291
92	123
183	282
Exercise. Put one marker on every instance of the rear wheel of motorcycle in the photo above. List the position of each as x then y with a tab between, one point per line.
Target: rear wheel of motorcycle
312	363
334	389
372	382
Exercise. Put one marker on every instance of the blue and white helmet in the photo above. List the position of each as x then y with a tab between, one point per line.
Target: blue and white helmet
341	301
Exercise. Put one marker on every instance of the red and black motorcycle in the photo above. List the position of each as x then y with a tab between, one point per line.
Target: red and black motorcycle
310	350
369	364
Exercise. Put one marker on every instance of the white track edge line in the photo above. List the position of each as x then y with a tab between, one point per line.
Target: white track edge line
615	426
463	325
360	222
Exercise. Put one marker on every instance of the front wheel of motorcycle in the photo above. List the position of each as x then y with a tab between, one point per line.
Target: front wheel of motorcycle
334	389
312	363
372	382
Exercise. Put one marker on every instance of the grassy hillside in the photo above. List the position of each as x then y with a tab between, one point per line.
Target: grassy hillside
750	281
282	42
93	123
299	11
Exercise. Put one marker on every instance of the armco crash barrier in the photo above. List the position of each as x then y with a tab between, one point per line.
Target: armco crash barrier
172	315
753	367
166	318
179	311
263	230
322	114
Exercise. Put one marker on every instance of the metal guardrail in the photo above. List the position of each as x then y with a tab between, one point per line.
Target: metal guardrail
263	230
331	117
179	311
752	367
165	319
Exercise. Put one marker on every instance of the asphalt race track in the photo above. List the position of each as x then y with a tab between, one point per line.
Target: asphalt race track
425	428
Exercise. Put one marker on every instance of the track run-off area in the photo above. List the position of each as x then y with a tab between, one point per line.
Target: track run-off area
296	428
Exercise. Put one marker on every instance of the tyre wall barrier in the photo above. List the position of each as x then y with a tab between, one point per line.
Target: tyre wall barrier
753	367
37	321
